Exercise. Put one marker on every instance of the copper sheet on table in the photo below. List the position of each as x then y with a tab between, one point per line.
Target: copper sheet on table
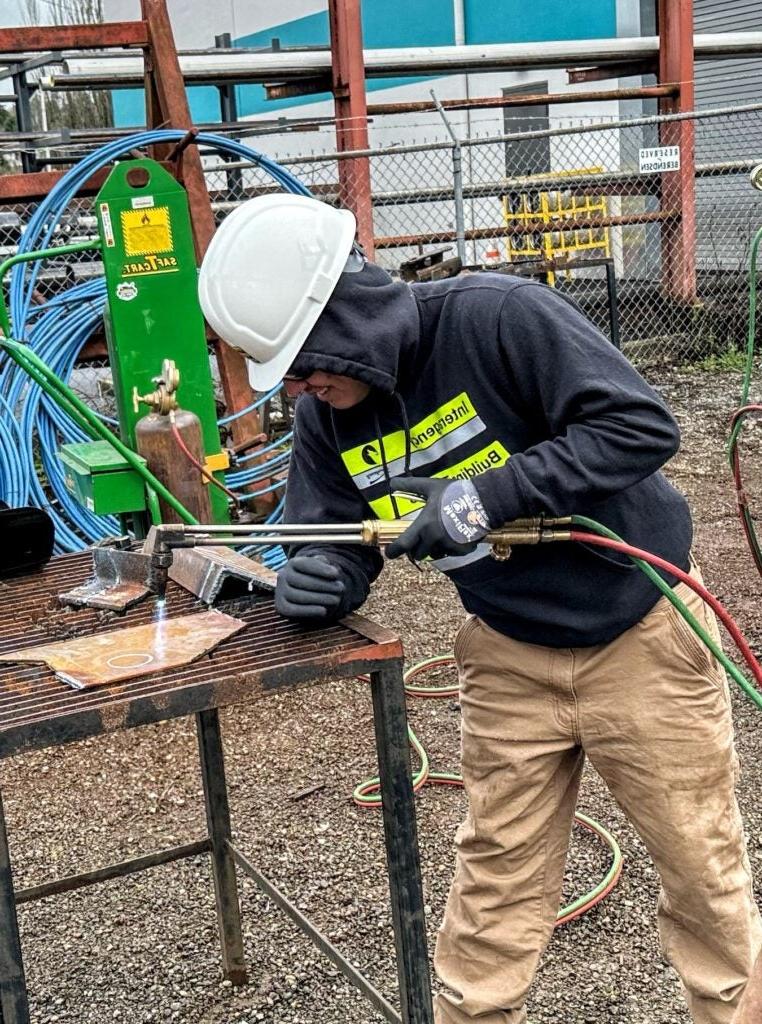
135	651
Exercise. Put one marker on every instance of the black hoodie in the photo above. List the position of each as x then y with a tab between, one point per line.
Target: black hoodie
500	380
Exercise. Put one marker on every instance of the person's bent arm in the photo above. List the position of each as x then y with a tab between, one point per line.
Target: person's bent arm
600	427
321	581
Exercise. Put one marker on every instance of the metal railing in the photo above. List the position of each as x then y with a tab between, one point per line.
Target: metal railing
573	205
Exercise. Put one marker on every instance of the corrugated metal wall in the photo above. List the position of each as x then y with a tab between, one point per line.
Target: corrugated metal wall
725	83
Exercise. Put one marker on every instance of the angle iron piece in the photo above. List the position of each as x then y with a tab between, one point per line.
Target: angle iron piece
214	572
120	581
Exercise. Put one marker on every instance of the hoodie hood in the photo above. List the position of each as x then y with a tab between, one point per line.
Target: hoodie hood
369	321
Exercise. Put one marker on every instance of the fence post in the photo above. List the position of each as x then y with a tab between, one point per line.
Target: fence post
348	75
229	114
457	182
678	191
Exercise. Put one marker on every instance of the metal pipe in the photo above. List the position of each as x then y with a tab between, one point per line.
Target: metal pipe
202	529
526	228
457	183
42	375
459	22
27	257
524	100
269	126
269	538
240	66
546	133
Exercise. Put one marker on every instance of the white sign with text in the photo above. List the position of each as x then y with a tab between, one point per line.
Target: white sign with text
659	158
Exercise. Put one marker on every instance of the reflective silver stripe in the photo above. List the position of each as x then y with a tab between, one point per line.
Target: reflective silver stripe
452	561
422	457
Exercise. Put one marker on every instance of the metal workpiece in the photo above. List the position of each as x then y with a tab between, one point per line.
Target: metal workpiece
122	576
218	573
120	579
127	652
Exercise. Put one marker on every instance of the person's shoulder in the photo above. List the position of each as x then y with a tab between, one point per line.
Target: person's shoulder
482	288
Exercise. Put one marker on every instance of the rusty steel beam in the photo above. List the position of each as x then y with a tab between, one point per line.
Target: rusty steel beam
348	77
529	99
530	227
94	349
301	87
167	103
39	38
36	186
676	64
626	69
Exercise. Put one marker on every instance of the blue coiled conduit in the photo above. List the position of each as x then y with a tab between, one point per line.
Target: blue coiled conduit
32	426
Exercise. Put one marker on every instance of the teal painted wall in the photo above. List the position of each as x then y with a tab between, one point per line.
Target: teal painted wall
530	21
390	23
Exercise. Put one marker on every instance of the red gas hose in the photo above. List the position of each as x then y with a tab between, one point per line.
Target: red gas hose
661	563
201	468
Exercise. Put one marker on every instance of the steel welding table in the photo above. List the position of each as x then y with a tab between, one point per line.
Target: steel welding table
270	655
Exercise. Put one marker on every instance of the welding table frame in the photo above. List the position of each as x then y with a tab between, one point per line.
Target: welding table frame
271	655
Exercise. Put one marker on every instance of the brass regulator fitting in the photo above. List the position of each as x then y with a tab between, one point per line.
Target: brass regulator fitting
163	400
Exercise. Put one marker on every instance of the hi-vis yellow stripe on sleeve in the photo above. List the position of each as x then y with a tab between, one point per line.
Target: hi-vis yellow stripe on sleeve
491	457
442	421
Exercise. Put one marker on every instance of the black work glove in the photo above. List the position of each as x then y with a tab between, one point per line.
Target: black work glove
452	521
309	587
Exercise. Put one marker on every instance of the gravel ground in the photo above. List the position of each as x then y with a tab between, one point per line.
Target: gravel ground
145	949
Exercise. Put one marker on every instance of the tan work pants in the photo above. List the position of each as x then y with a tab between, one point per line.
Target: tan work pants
651	711
750	1010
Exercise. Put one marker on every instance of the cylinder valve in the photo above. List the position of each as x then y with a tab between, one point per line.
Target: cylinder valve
164	399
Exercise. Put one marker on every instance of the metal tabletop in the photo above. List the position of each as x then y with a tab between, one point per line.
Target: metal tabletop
38	710
269	653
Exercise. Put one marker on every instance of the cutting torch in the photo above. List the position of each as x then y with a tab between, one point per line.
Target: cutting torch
163	540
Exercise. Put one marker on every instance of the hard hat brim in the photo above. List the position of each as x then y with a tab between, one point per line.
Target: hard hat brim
264	376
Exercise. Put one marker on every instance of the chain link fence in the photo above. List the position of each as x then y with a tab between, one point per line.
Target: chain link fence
575	206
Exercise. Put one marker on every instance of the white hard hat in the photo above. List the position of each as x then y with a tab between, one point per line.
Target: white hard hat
267	275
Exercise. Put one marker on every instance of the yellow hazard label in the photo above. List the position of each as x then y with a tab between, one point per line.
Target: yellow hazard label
490	457
146	231
423	435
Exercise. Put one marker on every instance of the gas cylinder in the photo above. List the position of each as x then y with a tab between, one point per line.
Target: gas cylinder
158	445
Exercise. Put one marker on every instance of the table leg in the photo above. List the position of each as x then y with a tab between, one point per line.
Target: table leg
13	998
405	889
223	865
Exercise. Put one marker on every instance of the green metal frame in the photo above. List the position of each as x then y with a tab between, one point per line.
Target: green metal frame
153	311
73	406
